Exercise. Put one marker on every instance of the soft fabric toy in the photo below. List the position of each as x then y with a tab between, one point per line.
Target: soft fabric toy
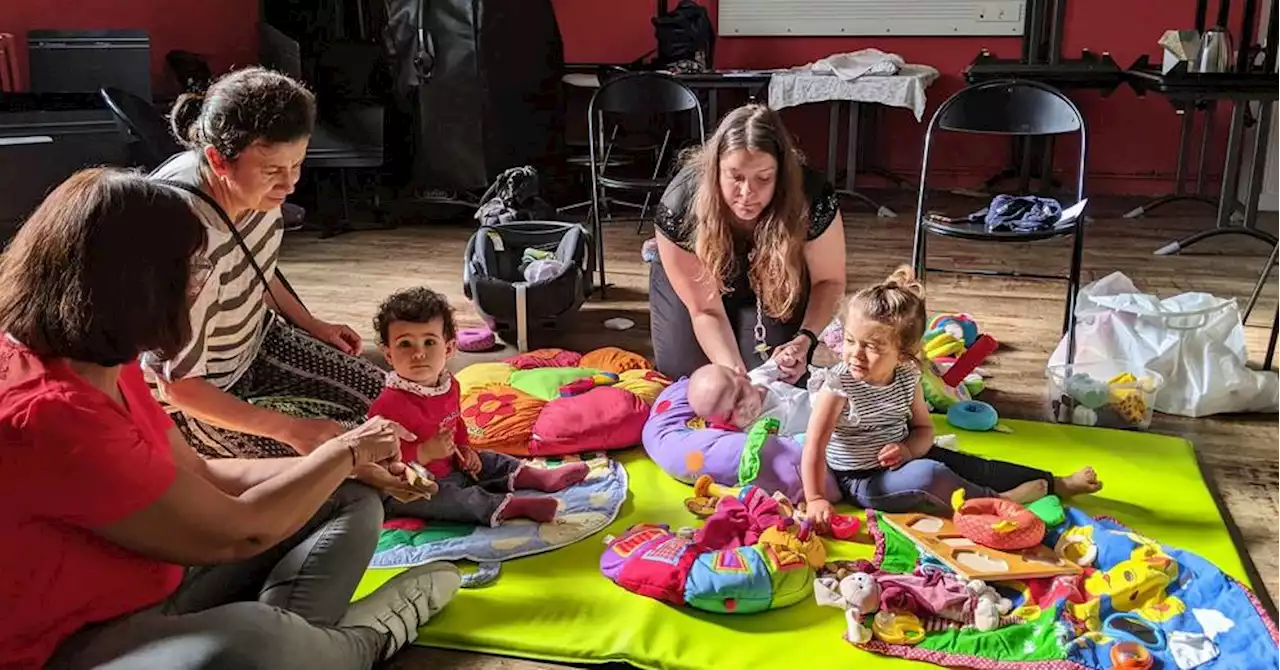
749	557
996	522
928	594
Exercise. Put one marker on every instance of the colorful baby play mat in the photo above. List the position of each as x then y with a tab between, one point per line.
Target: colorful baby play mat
558	606
585	509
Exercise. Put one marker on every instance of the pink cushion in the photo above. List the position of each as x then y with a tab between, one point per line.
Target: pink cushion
606	417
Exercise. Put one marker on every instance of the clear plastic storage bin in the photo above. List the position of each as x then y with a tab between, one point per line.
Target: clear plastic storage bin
1107	394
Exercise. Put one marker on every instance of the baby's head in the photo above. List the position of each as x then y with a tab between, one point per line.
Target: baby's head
722	395
883	325
417	334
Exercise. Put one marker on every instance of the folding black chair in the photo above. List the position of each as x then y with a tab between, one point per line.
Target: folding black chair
1011	108
641	94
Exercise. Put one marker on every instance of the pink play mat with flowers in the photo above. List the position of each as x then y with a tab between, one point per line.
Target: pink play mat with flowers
552	402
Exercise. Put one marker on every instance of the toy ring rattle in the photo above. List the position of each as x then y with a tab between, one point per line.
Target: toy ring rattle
901	628
1130	656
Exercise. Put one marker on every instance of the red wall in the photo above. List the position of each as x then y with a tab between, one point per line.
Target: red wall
1133	141
225	32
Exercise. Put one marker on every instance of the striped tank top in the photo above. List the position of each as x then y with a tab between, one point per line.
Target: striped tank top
228	317
874	416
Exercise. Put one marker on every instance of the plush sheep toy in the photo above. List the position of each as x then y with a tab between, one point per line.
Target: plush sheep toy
861	594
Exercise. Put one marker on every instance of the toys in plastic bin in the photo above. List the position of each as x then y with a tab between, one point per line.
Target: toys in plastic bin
1123	401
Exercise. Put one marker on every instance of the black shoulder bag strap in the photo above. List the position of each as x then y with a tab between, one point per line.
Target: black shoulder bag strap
235	232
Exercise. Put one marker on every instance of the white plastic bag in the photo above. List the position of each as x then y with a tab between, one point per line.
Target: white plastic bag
1194	340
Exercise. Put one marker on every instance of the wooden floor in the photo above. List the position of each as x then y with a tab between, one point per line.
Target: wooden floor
344	278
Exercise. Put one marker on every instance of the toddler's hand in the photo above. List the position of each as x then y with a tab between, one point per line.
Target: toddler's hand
819	512
470	461
892	455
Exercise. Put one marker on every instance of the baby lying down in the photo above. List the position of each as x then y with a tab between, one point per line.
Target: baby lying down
732	401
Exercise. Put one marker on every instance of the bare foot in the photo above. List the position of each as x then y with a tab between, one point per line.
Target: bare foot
1082	481
1028	492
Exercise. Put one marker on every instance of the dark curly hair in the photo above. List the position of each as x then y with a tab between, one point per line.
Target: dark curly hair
242	107
414	305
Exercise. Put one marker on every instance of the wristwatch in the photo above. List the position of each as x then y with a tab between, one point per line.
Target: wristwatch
813	344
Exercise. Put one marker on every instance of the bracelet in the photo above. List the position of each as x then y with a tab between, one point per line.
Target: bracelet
813	344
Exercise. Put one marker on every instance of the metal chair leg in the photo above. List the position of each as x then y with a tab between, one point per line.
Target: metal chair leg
1262	282
1271	345
1073	289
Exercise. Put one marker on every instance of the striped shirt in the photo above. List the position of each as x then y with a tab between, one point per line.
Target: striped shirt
228	317
874	416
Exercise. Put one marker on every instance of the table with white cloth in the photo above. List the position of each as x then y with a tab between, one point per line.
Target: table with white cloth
801	87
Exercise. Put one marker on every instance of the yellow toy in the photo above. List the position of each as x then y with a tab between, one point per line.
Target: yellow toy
900	628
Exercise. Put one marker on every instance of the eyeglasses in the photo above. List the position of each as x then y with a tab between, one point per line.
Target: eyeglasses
201	270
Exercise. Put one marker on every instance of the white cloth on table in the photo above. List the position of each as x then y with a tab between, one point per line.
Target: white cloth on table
905	89
850	66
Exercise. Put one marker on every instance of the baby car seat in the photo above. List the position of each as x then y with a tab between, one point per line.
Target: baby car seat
527	277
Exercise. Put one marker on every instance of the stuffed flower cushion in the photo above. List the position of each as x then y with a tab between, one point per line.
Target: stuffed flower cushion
552	402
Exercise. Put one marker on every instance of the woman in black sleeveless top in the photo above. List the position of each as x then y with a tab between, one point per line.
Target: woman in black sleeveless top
751	258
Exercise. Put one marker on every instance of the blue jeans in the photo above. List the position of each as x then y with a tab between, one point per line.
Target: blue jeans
927	483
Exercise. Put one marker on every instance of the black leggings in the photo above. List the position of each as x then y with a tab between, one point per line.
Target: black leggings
676	351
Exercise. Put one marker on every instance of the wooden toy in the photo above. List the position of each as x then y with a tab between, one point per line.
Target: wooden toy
940	538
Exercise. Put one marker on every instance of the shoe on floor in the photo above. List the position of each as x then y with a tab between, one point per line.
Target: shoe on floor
405	603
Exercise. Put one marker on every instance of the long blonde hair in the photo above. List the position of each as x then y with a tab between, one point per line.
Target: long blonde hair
777	267
897	302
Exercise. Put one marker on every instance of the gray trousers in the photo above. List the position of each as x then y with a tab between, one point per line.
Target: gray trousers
274	610
462	499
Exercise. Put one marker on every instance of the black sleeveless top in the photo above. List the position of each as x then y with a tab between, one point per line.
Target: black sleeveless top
674	206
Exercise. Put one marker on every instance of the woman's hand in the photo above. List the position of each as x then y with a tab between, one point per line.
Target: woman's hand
375	441
304	435
392	479
792	359
337	335
819	512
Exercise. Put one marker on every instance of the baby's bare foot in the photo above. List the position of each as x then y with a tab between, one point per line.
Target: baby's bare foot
1082	481
1028	492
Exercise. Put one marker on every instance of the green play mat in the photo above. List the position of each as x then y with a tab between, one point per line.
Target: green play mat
558	607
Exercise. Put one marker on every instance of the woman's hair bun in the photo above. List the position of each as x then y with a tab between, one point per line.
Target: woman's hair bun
904	279
183	117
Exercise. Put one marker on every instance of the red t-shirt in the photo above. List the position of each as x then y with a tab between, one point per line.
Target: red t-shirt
425	417
71	460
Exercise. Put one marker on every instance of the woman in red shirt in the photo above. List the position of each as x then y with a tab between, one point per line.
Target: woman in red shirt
102	501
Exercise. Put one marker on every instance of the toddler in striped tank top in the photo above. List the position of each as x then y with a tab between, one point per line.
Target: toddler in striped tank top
870	426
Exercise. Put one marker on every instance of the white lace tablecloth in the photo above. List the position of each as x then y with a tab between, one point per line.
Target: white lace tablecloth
905	89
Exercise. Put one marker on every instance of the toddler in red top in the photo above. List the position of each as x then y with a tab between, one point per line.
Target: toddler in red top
418	336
